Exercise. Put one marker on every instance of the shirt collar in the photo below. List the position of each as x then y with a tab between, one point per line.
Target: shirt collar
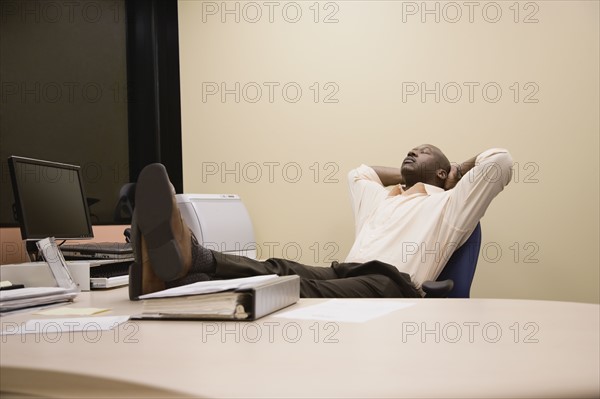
433	189
429	189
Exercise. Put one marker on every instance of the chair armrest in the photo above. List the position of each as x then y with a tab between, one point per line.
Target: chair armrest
437	289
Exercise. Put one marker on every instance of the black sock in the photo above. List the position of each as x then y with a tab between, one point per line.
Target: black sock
203	260
203	265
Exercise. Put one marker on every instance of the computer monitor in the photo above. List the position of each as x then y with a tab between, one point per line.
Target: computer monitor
50	200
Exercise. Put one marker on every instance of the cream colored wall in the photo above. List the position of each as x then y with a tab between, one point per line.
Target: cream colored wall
540	236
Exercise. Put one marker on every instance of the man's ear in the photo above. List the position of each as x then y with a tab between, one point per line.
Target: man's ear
441	174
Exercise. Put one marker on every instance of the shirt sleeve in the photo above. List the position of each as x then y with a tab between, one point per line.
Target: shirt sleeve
470	198
366	192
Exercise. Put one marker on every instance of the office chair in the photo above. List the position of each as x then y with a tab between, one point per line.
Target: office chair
125	204
456	278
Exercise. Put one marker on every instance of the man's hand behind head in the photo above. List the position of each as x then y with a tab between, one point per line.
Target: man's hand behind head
452	179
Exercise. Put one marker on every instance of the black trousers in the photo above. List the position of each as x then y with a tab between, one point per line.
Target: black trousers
342	280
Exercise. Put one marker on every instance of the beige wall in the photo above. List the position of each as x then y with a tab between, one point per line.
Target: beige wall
540	236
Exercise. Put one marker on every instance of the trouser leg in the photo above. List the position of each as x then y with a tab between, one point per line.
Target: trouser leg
235	266
342	280
367	286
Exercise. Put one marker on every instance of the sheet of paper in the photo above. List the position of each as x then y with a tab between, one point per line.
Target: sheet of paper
346	310
68	325
69	311
206	287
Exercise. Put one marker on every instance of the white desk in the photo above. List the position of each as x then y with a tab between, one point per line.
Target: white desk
384	357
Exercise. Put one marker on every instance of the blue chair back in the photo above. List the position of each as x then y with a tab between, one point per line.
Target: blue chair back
461	266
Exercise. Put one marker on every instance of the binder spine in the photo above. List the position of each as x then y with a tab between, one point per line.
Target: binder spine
282	292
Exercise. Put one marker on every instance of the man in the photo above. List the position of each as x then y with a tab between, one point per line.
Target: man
408	221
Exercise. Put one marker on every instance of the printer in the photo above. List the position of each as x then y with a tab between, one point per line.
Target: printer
220	222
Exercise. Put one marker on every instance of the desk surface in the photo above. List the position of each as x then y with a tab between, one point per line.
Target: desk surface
461	348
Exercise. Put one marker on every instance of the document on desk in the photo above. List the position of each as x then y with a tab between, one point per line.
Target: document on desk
34	296
207	287
346	310
68	311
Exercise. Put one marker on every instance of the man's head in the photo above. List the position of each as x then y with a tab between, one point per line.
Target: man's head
426	164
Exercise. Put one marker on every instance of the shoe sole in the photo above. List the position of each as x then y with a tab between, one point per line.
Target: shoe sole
154	207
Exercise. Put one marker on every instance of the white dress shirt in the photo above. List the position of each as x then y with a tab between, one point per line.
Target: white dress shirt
417	230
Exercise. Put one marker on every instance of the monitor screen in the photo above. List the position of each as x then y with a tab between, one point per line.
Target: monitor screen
49	199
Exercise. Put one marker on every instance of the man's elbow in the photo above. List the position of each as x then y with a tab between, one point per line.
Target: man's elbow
352	176
363	172
503	163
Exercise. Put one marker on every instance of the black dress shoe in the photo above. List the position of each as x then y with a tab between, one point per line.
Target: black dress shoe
160	237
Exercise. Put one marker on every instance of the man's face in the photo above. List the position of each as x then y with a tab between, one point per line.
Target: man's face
422	163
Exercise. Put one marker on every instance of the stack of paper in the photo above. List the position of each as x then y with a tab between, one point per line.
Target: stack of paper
34	296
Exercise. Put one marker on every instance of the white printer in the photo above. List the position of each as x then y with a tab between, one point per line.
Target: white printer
220	222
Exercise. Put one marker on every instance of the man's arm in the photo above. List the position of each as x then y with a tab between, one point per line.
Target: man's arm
366	192
389	176
469	199
457	171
